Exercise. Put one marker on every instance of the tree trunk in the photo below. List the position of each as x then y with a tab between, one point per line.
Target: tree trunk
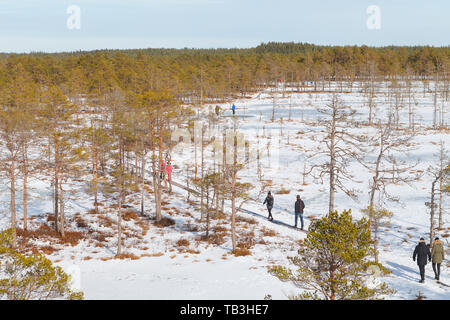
433	184
61	210
119	225
56	200
202	196
143	181
332	165
25	187
13	202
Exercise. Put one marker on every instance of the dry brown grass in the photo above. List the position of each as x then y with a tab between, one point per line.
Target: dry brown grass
219	229
101	236
157	254
183	243
216	238
129	215
80	222
144	227
106	259
219	216
164	222
190	227
127	256
191	251
261	242
47	233
239	252
268	232
92	211
47	250
282	191
247	220
106	221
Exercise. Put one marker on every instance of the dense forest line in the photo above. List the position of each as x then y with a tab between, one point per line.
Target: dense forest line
221	73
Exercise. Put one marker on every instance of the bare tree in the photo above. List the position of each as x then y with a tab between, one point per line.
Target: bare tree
436	177
234	154
342	146
388	144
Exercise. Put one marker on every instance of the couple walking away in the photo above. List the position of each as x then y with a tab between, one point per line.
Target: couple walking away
436	256
299	206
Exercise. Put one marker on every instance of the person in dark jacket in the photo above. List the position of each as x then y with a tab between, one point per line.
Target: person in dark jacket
269	200
422	252
299	206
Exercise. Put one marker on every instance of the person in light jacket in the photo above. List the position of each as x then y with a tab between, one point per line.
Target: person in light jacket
437	256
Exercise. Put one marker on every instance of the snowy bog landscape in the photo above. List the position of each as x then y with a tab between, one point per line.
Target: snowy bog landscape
284	126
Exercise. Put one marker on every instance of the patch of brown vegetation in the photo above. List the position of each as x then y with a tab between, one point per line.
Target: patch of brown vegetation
126	256
47	250
191	251
80	222
268	232
190	227
129	215
106	259
282	191
45	232
247	220
183	243
216	238
92	211
157	254
239	252
106	221
219	229
164	222
144	227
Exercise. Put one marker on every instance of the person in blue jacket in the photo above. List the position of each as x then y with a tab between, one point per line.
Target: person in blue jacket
234	109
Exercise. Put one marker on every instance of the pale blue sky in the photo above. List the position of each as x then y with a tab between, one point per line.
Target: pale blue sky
40	25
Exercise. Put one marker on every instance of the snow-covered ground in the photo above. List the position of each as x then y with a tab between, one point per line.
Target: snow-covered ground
163	269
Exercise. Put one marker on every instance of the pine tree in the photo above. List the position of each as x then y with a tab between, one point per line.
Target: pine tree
58	125
330	265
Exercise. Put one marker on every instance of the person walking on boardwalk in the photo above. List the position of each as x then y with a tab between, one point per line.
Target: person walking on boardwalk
169	175
269	200
437	256
162	170
422	252
299	206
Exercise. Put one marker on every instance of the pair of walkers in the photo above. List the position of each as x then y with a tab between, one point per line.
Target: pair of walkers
166	172
298	208
436	256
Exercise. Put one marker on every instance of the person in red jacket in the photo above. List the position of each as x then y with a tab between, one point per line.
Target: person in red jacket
162	169
169	174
